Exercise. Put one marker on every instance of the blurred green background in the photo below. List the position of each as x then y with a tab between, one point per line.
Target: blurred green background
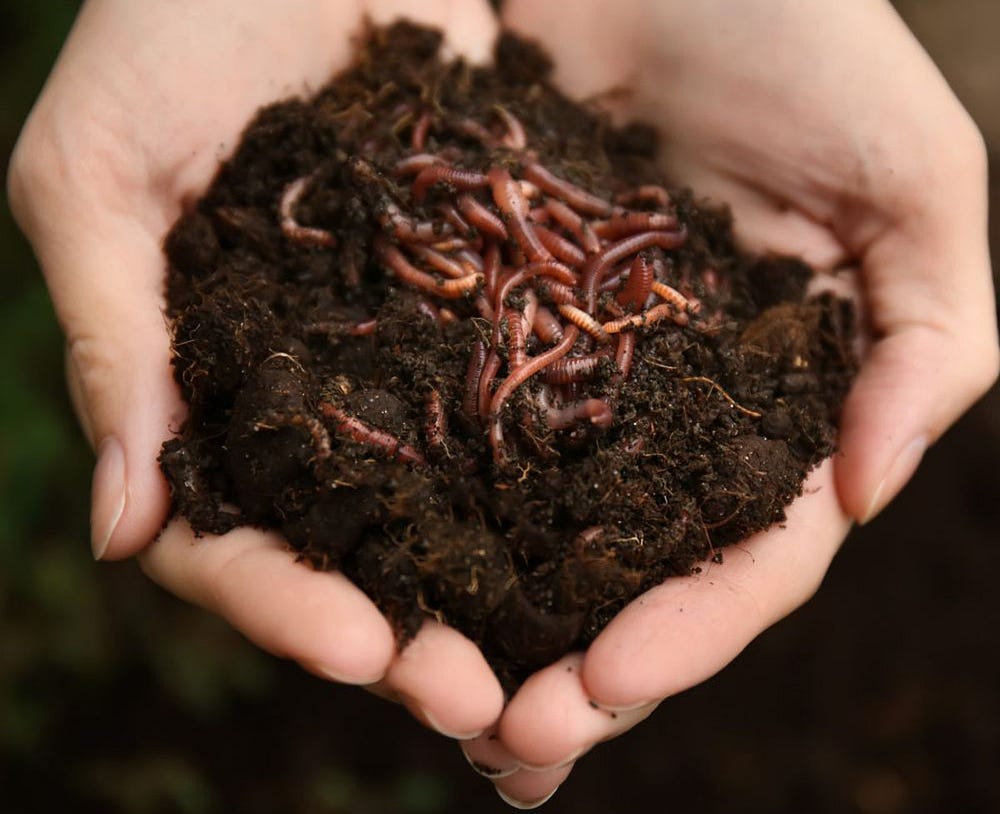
880	697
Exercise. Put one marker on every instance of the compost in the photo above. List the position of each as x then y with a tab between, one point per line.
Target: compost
453	335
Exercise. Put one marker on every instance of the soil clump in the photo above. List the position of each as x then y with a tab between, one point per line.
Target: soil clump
451	334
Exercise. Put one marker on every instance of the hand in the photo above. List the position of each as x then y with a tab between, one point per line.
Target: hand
144	101
833	137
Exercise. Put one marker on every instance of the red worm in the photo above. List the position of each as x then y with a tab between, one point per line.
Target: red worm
408	230
411	275
598	265
515	138
366	328
561	248
575	196
472	259
597	411
362	433
472	128
451	215
419	136
413	164
445	265
573	223
516	354
651	193
585	322
546	326
473	373
557	292
549	269
626	352
623	224
665	310
491	270
519	377
490	368
672	295
573	368
441	173
481	217
436	424
513	207
635	292
291	228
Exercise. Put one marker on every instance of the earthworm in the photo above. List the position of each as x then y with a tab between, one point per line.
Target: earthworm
436	424
451	215
362	433
481	217
548	269
445	265
597	411
623	224
442	173
574	224
561	248
652	193
515	137
673	296
519	377
490	368
625	353
598	265
516	354
636	290
557	292
411	275
546	326
473	373
584	321
573	368
408	230
513	207
575	196
291	228
664	310
413	164
419	137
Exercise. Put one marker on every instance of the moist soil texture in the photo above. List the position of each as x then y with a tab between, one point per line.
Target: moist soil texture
453	335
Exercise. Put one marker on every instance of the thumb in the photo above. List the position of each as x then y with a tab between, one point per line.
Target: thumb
105	273
930	299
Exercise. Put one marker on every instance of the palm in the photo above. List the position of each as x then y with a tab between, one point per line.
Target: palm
800	128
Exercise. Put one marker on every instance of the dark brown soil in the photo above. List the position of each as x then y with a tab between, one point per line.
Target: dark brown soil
334	309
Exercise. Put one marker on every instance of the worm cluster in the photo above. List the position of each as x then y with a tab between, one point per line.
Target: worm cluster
564	279
451	334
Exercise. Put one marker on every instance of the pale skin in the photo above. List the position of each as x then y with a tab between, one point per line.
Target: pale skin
824	125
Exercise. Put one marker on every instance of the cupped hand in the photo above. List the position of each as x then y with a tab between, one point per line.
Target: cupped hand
144	102
833	137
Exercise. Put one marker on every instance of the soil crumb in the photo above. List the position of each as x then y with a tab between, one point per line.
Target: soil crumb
453	335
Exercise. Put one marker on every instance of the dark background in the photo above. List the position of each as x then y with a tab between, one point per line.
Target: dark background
882	696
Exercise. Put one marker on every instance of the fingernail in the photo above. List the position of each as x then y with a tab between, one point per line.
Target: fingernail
570	758
898	473
522	806
459	736
108	494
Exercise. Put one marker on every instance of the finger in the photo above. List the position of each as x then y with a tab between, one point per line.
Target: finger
930	296
551	720
252	580
107	292
526	789
443	679
488	756
687	629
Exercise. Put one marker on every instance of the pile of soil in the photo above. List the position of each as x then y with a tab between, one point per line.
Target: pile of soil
449	332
